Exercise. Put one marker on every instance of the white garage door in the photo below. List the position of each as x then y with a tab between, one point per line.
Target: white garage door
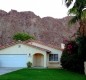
13	60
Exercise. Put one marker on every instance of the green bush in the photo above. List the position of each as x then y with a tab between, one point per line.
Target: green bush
29	64
22	36
74	55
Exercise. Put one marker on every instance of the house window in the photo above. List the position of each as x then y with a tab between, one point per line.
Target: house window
53	57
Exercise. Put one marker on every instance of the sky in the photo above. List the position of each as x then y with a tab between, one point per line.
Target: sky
42	8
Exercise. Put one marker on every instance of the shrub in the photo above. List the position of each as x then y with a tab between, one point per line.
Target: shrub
70	59
29	64
22	36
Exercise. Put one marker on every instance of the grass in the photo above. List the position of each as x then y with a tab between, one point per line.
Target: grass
42	74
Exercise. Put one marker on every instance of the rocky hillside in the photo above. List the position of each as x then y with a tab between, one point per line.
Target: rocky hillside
49	30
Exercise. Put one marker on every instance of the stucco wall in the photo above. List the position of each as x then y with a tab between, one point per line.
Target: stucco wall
53	50
24	49
50	64
54	65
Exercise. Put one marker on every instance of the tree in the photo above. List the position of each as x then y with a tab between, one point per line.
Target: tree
22	36
79	12
74	54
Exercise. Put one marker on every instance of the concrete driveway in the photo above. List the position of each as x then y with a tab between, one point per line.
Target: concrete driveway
8	70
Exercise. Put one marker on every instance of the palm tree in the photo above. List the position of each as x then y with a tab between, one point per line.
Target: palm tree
79	12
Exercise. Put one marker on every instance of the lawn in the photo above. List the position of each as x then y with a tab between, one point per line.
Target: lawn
42	74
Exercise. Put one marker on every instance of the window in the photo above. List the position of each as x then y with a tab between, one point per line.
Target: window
53	57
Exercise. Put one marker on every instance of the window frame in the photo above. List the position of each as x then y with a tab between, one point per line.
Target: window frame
52	57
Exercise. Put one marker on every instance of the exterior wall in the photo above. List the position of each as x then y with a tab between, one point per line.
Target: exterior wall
30	51
51	64
23	49
85	67
53	51
54	65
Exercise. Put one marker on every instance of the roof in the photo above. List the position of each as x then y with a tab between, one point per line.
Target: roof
37	47
48	45
24	43
27	43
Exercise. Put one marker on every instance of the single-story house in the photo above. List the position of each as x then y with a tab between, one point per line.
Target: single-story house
40	55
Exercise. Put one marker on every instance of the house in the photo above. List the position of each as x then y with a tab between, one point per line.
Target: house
39	54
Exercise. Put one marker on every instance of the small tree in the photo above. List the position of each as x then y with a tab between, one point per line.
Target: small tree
22	36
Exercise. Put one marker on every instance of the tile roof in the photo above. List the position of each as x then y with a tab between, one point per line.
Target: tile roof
14	43
26	43
48	45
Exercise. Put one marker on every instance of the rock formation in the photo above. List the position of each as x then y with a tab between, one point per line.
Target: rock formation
48	30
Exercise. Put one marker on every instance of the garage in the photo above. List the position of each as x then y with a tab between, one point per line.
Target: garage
13	60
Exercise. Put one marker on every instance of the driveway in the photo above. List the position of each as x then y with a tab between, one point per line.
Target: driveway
8	70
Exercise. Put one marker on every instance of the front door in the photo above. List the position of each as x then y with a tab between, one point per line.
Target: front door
38	60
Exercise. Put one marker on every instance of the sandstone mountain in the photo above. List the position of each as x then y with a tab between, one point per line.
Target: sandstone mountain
48	30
